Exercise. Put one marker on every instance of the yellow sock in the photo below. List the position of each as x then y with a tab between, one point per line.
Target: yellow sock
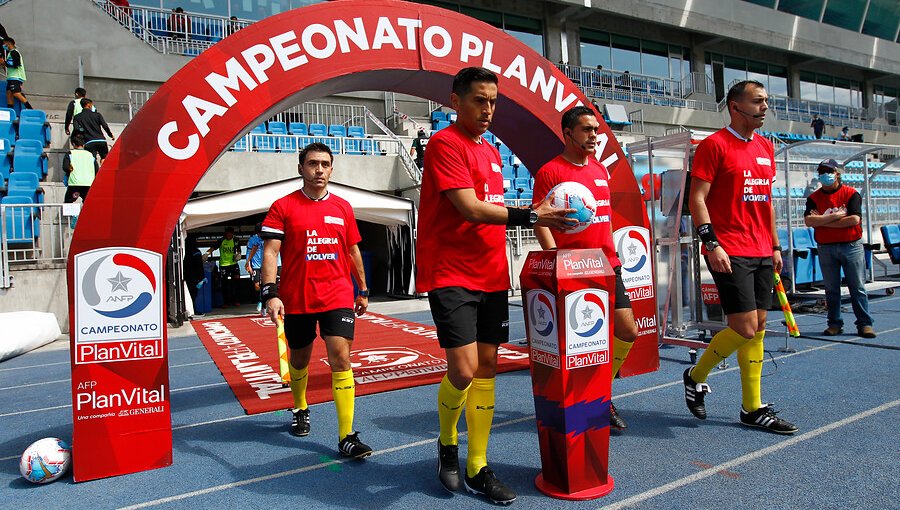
722	345
620	352
750	358
479	416
299	380
450	407
344	390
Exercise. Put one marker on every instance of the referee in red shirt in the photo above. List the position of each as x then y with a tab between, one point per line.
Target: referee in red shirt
461	264
317	236
578	163
730	202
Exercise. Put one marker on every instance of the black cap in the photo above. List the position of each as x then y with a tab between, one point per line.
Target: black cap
829	166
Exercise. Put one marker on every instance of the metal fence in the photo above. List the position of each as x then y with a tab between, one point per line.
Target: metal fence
264	142
34	236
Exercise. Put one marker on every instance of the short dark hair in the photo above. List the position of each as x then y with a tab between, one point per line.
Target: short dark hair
229	229
737	90
462	82
81	92
257	228
77	140
85	101
315	147
570	118
10	39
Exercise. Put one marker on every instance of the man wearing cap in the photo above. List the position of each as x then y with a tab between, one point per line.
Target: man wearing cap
834	211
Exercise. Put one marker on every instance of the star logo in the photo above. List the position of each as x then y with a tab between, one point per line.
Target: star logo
587	312
632	249
119	282
541	313
375	358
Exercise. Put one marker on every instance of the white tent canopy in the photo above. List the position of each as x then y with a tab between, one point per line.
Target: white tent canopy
367	205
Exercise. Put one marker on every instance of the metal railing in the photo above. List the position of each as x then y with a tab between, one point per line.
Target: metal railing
697	82
266	142
169	32
33	236
588	77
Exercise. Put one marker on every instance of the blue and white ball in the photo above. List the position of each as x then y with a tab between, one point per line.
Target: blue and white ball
45	460
574	195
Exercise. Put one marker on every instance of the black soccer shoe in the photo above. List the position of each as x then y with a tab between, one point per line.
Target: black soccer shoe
765	418
487	484
300	422
448	466
694	395
352	447
615	421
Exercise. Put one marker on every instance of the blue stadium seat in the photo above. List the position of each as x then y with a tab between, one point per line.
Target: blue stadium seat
5	161
441	124
298	128
526	195
359	146
509	172
8	120
287	143
337	130
505	152
890	234
240	145
522	172
33	125
356	131
438	115
804	266
489	137
29	157
333	143
22	223
25	184
265	143
511	195
522	184
318	130
277	128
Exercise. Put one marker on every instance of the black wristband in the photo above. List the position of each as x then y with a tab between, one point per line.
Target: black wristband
517	217
268	291
707	235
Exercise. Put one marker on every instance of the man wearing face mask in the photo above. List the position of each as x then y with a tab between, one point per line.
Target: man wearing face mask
834	211
89	123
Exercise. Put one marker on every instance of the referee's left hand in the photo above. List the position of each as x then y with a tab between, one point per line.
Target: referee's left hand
777	261
362	303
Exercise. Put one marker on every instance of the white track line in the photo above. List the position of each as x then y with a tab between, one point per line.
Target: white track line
743	459
67	380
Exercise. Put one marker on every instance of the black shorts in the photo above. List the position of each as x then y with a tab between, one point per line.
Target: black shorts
71	191
622	299
14	86
232	271
748	287
255	274
97	148
463	316
300	328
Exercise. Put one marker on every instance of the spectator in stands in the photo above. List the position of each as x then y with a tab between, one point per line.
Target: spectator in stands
834	211
229	255
255	247
595	104
845	134
818	126
15	74
177	24
74	108
89	123
233	26
81	167
418	148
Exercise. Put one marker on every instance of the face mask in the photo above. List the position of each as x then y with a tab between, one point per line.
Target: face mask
93	108
827	179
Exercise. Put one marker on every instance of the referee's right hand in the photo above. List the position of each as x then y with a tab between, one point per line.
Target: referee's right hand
719	261
275	309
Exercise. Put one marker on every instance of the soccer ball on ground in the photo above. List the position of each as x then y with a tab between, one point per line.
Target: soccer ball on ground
45	460
574	195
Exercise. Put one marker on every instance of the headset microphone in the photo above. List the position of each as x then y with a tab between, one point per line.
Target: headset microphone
582	145
749	115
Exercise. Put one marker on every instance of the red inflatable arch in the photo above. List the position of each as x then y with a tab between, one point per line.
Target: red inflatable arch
119	366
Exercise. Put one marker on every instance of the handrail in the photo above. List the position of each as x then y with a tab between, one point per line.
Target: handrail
622	80
47	243
412	169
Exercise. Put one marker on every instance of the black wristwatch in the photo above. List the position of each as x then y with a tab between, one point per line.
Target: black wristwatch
711	245
364	293
532	217
777	247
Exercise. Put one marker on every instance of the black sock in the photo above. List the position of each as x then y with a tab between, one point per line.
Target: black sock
28	106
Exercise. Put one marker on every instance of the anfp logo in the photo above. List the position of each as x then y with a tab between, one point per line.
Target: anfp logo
587	312
633	247
118	294
543	330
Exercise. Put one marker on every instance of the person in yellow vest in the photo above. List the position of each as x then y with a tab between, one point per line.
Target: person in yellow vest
15	74
230	273
81	167
74	108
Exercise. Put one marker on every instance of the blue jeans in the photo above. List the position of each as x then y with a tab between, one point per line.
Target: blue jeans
850	257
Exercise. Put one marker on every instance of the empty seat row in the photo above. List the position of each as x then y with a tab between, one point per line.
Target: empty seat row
27	157
263	142
22	221
29	125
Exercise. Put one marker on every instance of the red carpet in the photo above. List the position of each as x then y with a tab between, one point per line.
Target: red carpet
388	354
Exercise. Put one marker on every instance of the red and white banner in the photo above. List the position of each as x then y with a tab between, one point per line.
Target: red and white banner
296	56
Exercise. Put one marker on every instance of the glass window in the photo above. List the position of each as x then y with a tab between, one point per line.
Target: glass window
845	14
811	9
735	70
626	53
807	86
595	49
489	17
778	83
882	19
528	30
764	3
655	59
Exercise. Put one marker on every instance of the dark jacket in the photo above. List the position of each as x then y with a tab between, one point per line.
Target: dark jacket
89	123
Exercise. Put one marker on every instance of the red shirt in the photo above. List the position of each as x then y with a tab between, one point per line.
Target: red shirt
317	237
450	251
739	200
844	197
596	178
